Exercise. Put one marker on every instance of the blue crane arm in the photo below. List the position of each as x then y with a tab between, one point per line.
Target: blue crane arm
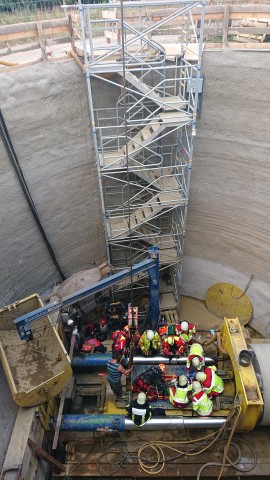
151	265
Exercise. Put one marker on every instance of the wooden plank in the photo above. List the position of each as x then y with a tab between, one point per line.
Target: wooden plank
62	401
18	442
29	29
252	30
189	470
225	25
42	41
29	26
58	423
8	63
31	33
71	32
253	15
249	46
41	453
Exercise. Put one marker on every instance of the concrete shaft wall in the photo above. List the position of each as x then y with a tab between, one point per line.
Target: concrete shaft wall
228	231
46	111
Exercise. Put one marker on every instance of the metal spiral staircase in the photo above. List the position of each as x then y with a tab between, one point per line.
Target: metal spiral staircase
144	138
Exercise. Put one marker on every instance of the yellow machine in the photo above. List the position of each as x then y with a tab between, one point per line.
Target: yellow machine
38	370
247	389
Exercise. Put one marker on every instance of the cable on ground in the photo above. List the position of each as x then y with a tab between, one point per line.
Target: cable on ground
203	443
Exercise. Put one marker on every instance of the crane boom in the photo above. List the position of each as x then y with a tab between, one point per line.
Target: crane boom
151	265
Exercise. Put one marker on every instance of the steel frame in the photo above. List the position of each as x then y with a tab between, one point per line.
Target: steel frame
143	145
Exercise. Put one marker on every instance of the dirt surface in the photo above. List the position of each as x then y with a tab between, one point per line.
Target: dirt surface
195	311
33	363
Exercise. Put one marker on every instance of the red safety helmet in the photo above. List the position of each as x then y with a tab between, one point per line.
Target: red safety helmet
103	322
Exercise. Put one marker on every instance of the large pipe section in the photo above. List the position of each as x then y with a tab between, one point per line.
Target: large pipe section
101	359
90	423
261	367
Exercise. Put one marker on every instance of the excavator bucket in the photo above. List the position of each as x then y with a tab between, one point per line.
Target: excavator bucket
36	370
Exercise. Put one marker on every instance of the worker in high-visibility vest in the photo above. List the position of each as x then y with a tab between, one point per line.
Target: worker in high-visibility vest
179	392
195	357
173	345
200	401
210	381
187	331
139	410
149	343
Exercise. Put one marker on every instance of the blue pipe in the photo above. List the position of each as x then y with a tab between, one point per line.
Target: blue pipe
90	423
96	422
101	359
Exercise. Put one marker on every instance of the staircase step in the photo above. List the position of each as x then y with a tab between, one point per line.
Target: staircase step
167	103
117	158
172	119
110	157
170	198
173	103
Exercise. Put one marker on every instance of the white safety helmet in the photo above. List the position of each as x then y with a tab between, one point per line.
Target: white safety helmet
141	399
70	322
183	380
150	335
196	386
200	376
195	362
184	326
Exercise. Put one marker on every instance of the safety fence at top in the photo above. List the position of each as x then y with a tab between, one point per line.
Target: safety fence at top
41	23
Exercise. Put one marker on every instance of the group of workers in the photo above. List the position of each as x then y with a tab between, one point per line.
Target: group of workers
196	388
199	393
151	344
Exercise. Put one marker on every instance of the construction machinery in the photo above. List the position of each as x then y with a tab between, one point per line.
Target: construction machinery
38	367
36	363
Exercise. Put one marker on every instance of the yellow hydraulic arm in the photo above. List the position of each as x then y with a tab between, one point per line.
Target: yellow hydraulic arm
246	384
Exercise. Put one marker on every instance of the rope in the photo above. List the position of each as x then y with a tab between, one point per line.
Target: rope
246	289
230	463
157	448
126	149
152	459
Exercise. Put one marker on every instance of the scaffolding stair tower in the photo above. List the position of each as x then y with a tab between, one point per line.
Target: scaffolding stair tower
144	138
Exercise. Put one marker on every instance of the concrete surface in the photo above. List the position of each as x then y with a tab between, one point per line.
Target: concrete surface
46	111
228	229
8	416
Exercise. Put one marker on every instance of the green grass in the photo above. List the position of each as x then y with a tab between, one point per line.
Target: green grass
27	15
